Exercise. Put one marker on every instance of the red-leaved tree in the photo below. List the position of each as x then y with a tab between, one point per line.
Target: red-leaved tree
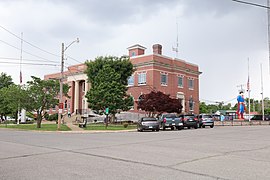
157	102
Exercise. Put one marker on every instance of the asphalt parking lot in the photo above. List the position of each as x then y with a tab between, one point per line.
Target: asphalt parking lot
232	152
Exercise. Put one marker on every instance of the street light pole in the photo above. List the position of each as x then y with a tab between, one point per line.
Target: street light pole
60	105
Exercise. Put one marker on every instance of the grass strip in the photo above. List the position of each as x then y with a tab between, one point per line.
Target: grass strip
44	127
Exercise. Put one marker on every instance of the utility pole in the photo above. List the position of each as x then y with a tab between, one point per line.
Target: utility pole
241	87
61	104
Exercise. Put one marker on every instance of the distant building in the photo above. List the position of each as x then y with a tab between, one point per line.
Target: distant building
157	72
172	76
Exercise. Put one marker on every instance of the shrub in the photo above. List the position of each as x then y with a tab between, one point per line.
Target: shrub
53	117
46	116
125	125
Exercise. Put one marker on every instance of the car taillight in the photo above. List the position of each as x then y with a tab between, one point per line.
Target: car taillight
164	120
185	119
196	119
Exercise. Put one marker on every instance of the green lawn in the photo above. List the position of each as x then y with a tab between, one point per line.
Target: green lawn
44	127
110	127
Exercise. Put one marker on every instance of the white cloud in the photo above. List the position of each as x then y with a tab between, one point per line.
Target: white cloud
219	36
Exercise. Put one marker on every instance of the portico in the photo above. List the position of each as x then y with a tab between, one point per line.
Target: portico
78	88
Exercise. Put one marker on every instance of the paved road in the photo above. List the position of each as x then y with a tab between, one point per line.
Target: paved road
219	153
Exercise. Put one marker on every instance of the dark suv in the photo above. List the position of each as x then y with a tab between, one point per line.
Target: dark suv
206	120
189	120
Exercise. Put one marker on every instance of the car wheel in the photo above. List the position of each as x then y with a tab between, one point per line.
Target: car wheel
203	126
188	127
172	128
212	126
157	130
195	127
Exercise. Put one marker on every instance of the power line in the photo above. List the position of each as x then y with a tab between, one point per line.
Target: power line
6	62
17	59
25	51
253	4
74	59
37	46
215	102
29	42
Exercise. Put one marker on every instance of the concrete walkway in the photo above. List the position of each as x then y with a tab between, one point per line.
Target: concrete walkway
69	122
74	127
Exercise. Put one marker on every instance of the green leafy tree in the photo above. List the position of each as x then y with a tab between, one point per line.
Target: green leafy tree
43	94
5	80
121	65
157	102
108	77
203	108
12	98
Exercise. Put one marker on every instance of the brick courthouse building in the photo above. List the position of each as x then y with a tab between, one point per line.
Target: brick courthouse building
172	76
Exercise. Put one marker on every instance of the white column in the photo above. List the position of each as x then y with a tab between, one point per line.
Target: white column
76	96
86	89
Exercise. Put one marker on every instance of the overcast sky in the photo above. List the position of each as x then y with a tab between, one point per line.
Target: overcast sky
217	35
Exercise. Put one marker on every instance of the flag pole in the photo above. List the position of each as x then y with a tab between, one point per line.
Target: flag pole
262	93
248	89
19	103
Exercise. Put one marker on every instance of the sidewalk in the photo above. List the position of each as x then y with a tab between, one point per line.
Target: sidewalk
74	127
237	122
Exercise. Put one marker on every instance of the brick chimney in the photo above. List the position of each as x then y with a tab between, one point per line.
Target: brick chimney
157	49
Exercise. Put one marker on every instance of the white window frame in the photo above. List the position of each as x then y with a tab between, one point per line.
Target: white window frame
191	80
161	75
131	84
180	76
142	78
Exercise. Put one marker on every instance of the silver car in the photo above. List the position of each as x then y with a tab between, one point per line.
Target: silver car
148	123
206	120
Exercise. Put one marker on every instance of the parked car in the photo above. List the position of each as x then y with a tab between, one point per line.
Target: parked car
148	123
189	120
206	120
170	120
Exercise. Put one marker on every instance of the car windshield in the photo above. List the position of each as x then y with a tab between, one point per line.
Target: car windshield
207	116
149	119
170	115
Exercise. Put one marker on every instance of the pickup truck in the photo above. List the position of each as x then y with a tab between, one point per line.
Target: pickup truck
170	121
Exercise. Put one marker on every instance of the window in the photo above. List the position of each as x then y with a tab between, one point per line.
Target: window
133	54
131	81
181	97
83	86
140	98
132	107
164	79
180	81
191	104
191	83
142	78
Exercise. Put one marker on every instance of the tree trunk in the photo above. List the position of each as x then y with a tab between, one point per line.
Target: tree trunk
113	118
39	118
